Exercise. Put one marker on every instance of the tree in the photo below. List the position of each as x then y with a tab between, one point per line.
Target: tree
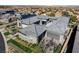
73	18
73	21
51	14
65	13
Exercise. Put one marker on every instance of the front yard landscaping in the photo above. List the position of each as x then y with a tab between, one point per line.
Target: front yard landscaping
26	49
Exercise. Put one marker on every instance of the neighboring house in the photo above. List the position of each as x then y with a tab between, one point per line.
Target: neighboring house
3	11
3	43
6	18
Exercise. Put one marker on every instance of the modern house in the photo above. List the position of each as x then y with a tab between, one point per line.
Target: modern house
55	27
7	16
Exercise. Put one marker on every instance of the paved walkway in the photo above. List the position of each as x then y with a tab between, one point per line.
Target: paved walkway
8	24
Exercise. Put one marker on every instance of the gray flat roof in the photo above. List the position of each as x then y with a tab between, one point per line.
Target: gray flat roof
59	26
33	30
31	20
